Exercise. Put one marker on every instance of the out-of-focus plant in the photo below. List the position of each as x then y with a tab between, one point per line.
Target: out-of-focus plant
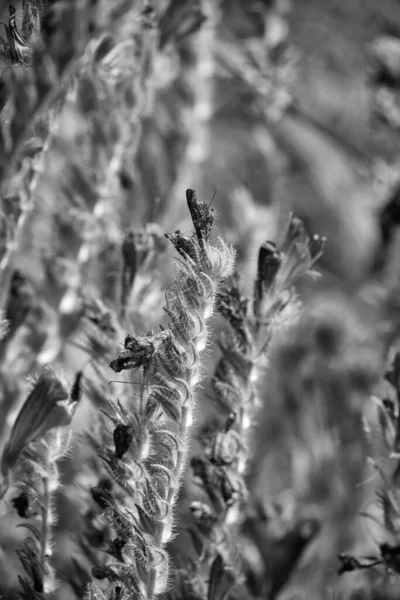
38	440
382	516
221	470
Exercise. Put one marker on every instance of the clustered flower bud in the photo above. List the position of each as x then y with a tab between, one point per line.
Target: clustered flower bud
151	440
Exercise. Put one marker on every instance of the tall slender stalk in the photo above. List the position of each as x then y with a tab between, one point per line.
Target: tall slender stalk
154	432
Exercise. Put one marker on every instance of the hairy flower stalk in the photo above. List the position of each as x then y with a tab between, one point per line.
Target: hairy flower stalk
151	443
252	321
38	439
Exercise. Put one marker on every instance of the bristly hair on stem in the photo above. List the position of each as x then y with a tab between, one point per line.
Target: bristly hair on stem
222	468
152	435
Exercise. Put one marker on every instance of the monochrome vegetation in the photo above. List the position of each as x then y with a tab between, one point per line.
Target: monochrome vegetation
199	300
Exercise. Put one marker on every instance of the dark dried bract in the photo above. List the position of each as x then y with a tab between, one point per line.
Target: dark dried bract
123	435
102	494
202	216
124	361
141	350
76	389
116	547
21	505
184	244
269	261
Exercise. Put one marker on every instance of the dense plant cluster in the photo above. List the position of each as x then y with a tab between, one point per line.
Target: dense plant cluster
186	414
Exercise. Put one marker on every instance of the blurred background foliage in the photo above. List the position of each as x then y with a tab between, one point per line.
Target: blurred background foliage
265	108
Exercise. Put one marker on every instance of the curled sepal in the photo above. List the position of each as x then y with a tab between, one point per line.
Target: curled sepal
162	472
147	521
124	473
171	440
34	530
117	413
170	398
28	554
154	503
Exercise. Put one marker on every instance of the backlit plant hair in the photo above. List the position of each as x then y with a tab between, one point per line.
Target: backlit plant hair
151	437
224	464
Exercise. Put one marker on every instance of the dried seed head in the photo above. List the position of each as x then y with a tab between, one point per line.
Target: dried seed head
142	347
202	217
140	350
185	245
